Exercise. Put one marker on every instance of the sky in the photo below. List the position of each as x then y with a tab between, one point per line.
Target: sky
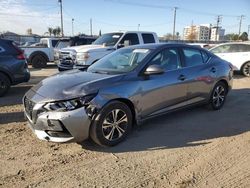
115	15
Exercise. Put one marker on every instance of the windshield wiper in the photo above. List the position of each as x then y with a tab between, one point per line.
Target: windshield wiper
100	72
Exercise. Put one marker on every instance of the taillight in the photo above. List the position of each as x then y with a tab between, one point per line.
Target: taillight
20	53
21	56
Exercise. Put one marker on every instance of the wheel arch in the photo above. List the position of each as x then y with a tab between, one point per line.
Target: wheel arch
129	104
34	54
8	75
225	82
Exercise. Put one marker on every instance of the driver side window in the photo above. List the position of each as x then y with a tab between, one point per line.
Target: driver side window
131	37
167	59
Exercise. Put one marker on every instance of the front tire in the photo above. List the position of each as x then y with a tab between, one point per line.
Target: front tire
218	96
245	70
112	124
4	84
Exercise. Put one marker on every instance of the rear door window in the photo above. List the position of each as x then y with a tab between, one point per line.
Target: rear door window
192	57
148	38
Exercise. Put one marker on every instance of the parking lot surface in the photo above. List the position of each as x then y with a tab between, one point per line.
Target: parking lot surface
191	148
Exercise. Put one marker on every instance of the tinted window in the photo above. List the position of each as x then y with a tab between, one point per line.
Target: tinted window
244	48
148	38
81	42
231	48
54	42
192	57
204	56
132	38
167	59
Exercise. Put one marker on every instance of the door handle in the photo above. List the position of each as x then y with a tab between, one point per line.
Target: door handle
213	70
182	77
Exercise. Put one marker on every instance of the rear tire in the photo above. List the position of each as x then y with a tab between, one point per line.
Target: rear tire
218	96
245	70
112	124
4	84
38	61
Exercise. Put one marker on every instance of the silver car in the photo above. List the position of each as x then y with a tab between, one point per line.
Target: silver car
123	89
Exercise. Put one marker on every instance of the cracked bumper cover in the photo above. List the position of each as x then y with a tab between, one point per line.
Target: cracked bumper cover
61	126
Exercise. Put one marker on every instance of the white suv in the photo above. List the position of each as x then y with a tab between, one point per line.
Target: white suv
237	53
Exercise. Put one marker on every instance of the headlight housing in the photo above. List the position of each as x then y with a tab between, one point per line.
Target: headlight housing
69	105
81	58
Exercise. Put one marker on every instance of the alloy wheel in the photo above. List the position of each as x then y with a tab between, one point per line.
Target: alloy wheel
115	124
246	69
219	96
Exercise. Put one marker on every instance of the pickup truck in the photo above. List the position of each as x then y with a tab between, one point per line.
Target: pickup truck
85	55
72	41
39	54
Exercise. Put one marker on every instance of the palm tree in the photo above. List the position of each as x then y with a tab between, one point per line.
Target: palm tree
58	31
50	30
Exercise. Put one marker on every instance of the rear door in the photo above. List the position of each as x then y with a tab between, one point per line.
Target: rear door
165	91
237	54
198	73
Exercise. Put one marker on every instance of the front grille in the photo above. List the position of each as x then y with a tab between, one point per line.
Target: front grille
29	105
66	58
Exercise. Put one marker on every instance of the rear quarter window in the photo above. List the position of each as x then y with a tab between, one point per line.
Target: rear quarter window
192	57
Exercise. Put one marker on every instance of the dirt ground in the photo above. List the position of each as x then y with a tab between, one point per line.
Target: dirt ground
191	148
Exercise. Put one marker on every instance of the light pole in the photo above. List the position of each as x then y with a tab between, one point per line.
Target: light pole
60	2
72	26
175	8
138	27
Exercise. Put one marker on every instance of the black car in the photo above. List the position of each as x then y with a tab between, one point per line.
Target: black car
13	66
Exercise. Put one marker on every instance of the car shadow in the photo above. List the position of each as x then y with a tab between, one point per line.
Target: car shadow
187	128
15	94
11	117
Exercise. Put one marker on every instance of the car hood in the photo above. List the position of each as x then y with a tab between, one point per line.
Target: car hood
87	48
73	84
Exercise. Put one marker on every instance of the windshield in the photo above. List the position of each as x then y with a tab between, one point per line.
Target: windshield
120	61
109	39
62	44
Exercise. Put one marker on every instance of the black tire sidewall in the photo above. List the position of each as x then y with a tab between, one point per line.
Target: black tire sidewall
6	81
38	61
96	133
212	94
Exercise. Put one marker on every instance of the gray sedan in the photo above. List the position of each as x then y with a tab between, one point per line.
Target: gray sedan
123	89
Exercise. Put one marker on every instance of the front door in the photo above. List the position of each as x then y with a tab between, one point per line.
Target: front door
161	92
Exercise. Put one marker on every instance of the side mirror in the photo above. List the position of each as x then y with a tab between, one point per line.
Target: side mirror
154	69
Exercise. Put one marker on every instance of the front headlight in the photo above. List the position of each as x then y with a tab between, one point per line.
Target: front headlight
81	58
69	105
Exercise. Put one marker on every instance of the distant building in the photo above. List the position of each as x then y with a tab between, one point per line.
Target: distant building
197	32
217	34
203	32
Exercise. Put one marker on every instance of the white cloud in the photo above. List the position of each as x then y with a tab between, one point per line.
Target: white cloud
17	16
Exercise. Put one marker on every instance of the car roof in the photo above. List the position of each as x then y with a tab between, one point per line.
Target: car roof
163	45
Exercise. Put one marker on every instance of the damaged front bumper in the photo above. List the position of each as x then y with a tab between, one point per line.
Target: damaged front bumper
58	126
